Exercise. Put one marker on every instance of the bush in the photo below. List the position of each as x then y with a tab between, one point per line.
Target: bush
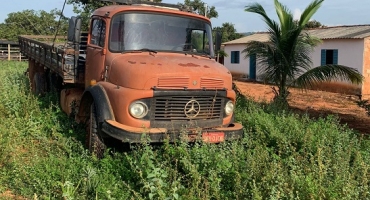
282	156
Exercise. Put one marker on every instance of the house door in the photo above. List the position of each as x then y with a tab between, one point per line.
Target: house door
252	67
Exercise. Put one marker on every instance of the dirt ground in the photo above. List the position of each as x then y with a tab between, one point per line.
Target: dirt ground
316	103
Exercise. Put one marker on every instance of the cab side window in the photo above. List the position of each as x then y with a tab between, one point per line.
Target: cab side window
197	41
98	32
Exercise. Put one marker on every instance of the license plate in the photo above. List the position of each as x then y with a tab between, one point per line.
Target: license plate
213	137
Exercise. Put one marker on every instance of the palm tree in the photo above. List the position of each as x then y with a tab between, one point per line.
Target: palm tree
285	60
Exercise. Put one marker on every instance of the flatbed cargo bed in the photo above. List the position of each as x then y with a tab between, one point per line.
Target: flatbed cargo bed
60	57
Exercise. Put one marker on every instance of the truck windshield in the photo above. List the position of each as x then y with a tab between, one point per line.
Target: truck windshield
135	31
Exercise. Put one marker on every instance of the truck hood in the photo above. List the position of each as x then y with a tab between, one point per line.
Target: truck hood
144	70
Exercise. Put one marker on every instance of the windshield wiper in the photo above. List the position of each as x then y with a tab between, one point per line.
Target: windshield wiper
204	55
140	50
198	54
148	50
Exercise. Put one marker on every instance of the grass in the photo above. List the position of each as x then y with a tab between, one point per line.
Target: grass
338	87
282	156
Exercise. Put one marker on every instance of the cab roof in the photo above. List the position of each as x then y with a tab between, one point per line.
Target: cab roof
109	11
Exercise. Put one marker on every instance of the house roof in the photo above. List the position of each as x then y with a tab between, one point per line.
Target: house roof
262	37
342	32
335	32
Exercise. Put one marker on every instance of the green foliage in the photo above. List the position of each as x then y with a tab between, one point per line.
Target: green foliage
31	22
364	104
85	8
285	60
228	32
199	7
222	53
312	24
282	156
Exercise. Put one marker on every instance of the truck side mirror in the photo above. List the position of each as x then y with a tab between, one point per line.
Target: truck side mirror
218	41
74	29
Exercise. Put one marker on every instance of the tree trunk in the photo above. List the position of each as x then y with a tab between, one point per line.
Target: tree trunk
282	94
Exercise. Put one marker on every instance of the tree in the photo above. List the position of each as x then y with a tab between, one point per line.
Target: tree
228	32
199	7
84	8
312	24
30	22
285	59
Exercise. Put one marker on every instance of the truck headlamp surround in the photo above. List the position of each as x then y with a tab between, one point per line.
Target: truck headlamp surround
229	108
138	109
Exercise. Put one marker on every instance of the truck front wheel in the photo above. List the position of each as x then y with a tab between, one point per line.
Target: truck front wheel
94	142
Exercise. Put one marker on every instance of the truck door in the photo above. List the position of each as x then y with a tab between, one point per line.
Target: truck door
95	52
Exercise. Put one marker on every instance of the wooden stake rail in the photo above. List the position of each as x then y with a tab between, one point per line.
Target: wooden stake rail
48	56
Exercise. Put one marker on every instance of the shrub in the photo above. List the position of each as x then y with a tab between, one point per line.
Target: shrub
282	156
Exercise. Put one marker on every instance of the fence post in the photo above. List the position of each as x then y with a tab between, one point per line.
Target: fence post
9	52
20	56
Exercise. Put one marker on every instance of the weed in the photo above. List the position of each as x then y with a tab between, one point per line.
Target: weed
364	104
282	156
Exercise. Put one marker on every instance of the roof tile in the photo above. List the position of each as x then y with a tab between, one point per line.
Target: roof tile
335	32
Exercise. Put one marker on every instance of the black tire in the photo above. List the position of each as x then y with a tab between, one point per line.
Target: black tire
39	84
94	141
55	82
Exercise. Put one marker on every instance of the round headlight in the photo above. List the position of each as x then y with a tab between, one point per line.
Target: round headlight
229	108
138	109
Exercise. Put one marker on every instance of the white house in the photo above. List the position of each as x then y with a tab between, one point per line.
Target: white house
343	45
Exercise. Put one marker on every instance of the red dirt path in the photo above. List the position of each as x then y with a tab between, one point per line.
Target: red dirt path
316	103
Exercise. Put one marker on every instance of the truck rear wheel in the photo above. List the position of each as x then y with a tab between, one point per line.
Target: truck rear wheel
39	84
94	142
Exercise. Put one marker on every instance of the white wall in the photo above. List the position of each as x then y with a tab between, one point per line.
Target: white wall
350	53
243	66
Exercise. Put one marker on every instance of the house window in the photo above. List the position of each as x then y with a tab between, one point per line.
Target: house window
235	57
329	57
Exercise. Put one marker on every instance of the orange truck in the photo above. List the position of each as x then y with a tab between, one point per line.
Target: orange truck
143	68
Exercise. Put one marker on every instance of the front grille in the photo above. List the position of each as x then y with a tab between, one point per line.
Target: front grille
173	108
173	111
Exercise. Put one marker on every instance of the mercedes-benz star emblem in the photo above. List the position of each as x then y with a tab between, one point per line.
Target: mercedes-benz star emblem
192	109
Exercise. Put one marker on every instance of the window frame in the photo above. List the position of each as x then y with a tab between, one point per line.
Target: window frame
324	56
102	31
235	57
207	30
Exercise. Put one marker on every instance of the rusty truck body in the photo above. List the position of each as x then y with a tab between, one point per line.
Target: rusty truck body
141	69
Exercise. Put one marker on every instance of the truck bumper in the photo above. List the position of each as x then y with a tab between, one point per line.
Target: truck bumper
135	135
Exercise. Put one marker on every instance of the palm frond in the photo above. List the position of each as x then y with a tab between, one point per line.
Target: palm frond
309	12
328	73
258	9
267	57
285	17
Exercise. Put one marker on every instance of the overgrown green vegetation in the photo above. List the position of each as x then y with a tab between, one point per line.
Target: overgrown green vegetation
31	22
282	156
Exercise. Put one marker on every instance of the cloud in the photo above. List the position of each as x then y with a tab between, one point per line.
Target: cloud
224	4
297	13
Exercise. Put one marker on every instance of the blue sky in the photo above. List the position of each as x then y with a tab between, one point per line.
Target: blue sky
332	12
